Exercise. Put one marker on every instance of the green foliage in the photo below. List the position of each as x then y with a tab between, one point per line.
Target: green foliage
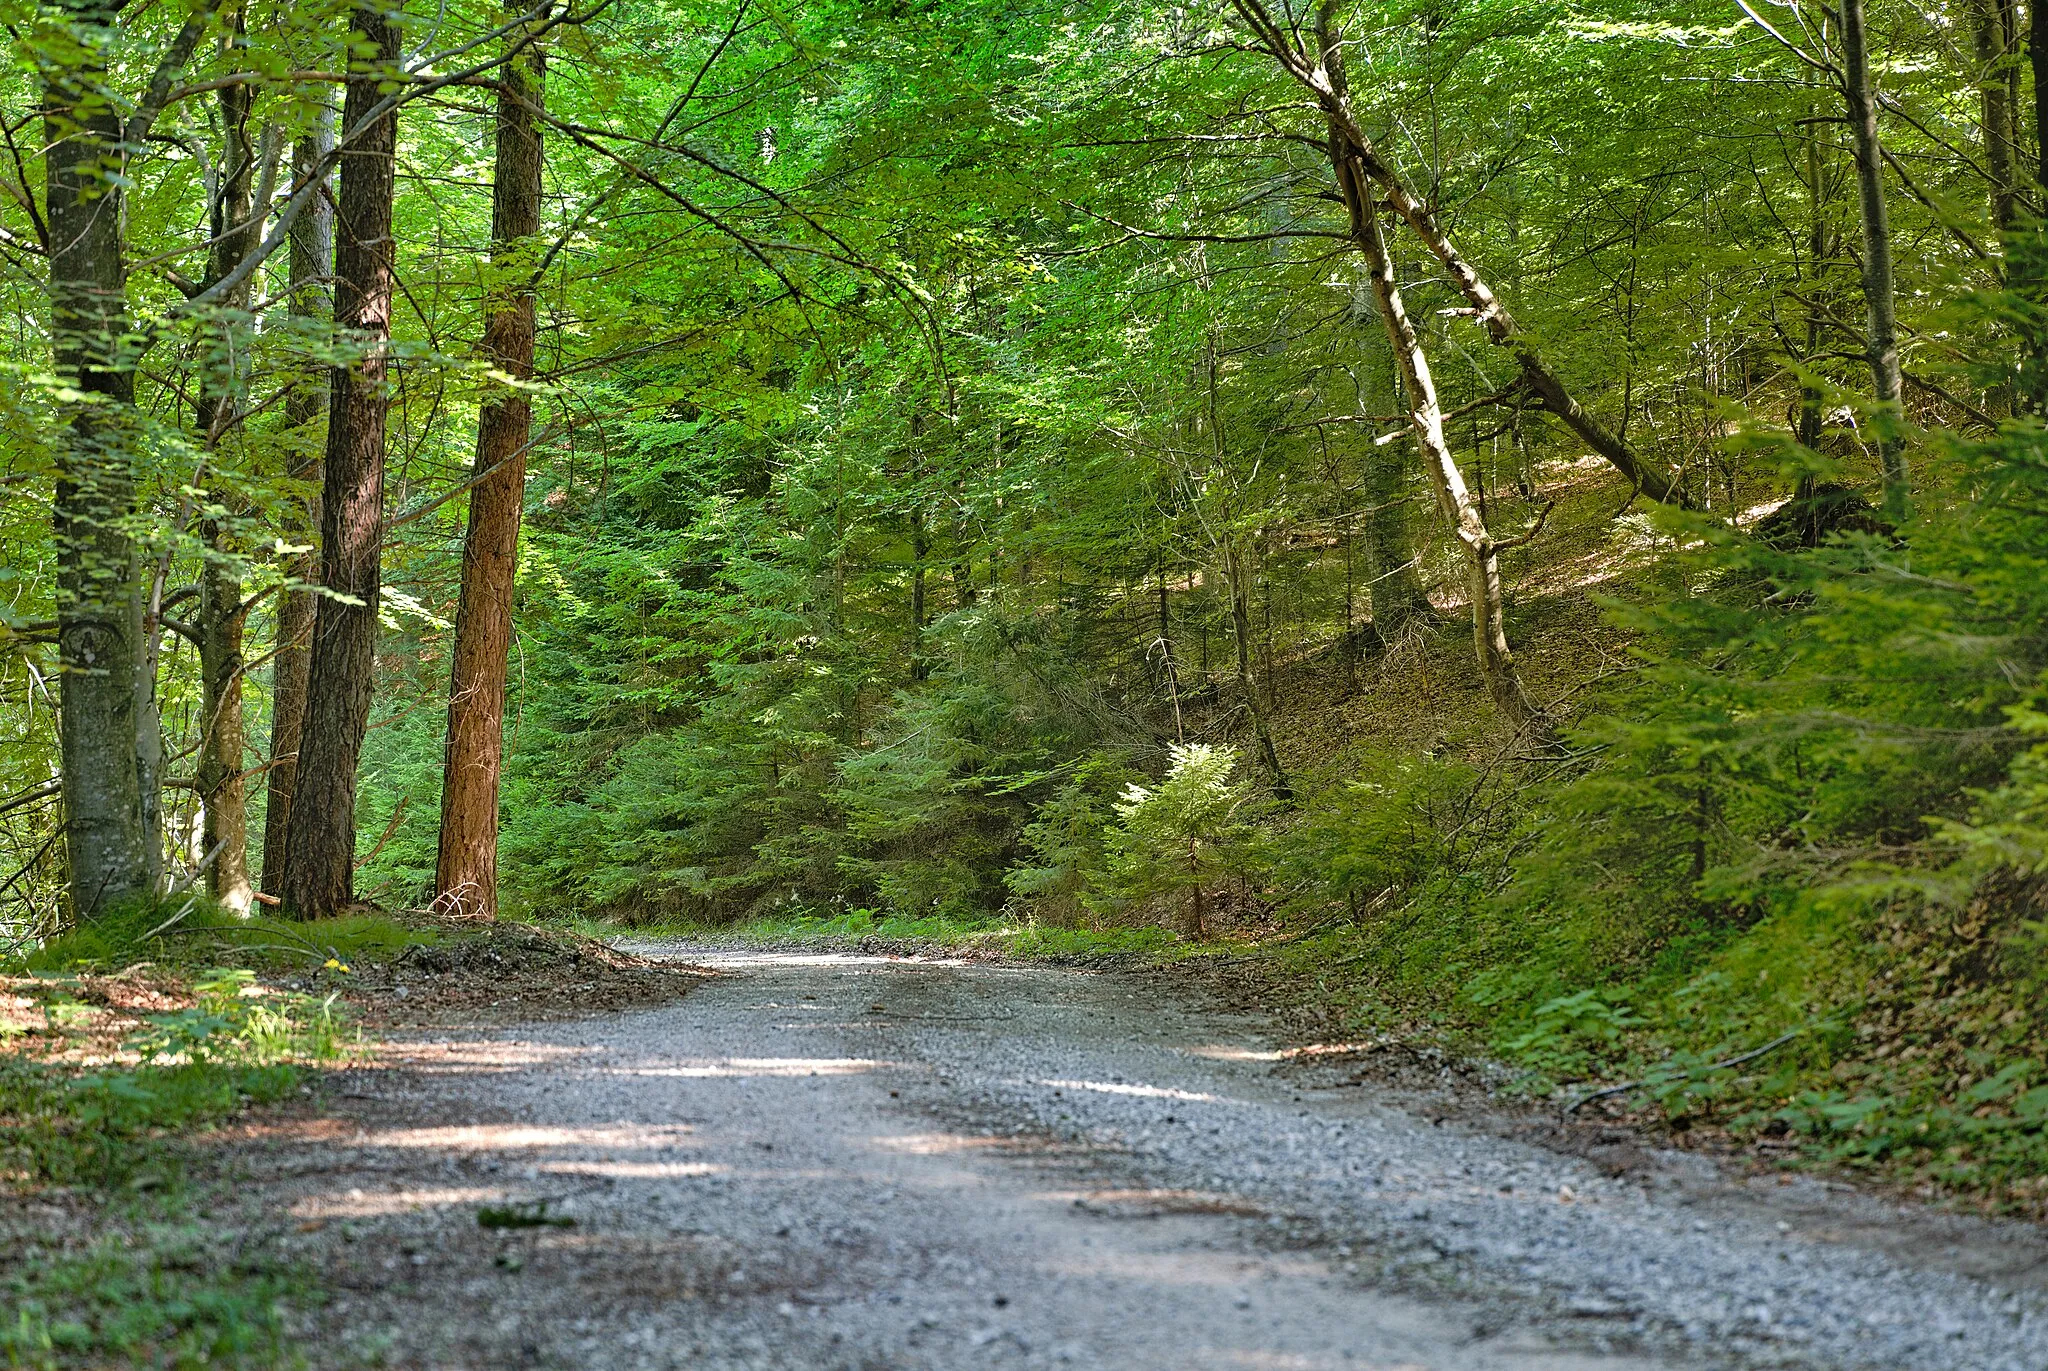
240	1044
1181	839
165	1295
1065	842
1391	826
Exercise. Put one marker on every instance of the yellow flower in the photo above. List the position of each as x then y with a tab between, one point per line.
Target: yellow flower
332	965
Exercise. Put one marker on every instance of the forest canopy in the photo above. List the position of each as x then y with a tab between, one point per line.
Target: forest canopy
1559	488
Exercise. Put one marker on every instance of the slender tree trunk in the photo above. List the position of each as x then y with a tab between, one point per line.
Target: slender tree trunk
1816	323
1169	668
221	785
466	871
1425	418
320	835
1988	18
2026	250
1395	587
1247	679
920	547
1887	381
1323	74
108	839
312	261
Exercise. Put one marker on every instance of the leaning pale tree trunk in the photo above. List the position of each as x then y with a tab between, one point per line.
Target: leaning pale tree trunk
320	835
1425	413
1425	419
312	261
222	785
1887	380
1323	75
466	871
109	842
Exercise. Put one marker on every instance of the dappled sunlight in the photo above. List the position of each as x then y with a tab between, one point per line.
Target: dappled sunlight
513	1137
718	1067
939	1144
1226	1052
1148	1203
639	1171
477	1055
1150	1092
359	1204
1266	1359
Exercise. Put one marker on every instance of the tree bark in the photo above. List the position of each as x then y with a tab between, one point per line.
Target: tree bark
319	877
1394	588
466	870
1887	381
312	260
1323	75
221	615
109	842
1989	20
1247	679
1425	418
920	548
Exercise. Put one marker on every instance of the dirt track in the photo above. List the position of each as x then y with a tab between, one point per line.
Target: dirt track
866	1163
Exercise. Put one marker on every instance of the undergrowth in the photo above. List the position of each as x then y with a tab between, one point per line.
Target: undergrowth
122	1038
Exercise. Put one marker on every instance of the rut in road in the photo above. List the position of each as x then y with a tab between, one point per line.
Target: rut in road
864	1163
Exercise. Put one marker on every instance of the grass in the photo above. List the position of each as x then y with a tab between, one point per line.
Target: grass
101	1076
937	933
160	1293
194	932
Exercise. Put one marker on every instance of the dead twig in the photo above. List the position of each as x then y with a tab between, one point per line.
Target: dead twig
1626	1086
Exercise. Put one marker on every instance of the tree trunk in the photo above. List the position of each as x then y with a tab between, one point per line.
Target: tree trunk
1816	321
1394	589
108	840
312	260
1989	19
1887	381
1425	418
1169	670
920	547
1247	680
466	870
222	787
319	876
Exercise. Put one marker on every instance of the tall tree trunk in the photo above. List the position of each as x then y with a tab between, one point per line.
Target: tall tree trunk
221	784
1887	381
1323	75
1247	679
320	835
1168	667
312	261
1394	585
108	839
1816	320
920	547
466	870
2027	249
1425	418
1990	22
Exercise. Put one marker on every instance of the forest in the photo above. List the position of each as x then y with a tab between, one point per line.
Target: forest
1529	516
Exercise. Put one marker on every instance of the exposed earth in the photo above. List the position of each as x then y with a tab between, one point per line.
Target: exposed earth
868	1162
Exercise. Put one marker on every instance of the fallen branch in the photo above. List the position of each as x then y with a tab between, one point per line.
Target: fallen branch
1626	1086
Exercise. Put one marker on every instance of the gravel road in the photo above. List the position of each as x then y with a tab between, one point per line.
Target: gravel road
842	1162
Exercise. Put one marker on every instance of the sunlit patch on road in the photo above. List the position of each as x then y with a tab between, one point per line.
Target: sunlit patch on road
1150	1092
